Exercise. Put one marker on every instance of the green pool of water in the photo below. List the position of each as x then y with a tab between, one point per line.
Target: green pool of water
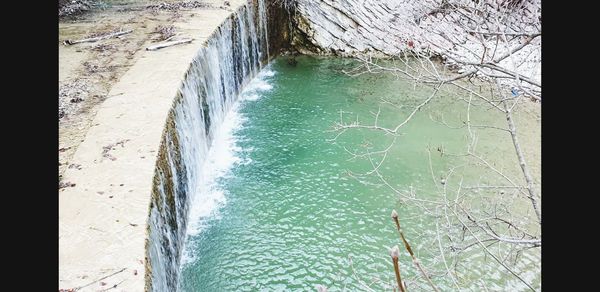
294	216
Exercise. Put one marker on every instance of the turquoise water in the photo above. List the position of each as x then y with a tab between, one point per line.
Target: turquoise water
290	211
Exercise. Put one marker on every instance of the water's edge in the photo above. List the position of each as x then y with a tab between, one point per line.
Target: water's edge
231	56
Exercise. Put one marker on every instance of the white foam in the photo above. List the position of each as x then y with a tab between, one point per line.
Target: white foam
220	159
258	85
251	97
267	72
224	153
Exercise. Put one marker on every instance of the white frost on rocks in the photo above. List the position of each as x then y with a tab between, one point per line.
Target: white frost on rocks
389	27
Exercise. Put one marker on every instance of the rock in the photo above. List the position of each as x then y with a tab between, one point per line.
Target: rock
381	28
292	61
62	185
76	166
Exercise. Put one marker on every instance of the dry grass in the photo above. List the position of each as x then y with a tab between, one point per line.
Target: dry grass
73	8
70	94
178	5
164	32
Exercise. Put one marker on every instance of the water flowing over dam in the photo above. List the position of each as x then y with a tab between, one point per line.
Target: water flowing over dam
233	55
260	156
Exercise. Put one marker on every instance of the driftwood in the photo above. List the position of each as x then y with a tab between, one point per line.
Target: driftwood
168	44
98	38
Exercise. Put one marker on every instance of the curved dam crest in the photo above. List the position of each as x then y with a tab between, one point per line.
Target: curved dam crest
233	55
124	220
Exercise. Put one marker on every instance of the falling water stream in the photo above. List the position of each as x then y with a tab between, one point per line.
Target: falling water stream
232	56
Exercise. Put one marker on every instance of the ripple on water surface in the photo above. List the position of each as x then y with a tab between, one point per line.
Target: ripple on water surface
283	214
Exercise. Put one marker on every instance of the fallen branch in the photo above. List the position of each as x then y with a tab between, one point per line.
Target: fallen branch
168	44
98	38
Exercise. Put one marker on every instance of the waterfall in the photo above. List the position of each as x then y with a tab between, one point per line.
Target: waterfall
232	56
